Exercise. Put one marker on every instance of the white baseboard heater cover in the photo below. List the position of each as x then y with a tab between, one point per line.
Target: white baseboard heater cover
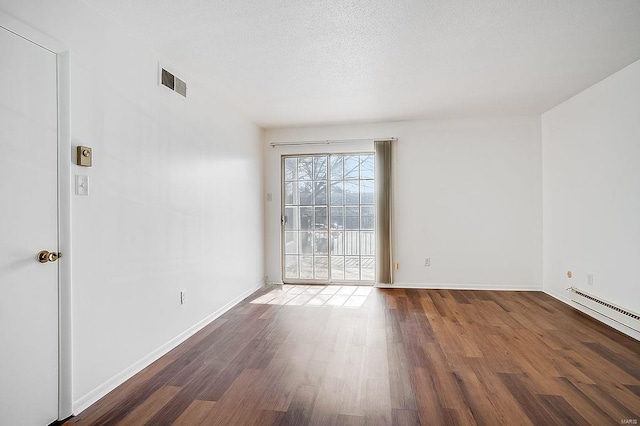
608	309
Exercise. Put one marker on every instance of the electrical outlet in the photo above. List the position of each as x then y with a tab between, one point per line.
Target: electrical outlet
589	279
427	261
183	297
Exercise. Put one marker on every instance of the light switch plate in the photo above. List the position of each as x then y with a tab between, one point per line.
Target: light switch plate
82	185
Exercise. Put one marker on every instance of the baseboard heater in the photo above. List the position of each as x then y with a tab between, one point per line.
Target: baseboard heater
609	310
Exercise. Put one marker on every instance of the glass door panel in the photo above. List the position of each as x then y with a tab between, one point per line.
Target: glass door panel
329	218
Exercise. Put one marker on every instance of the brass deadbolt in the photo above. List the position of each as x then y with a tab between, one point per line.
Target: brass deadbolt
569	274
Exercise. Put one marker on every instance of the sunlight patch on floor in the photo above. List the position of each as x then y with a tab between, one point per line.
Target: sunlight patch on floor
348	296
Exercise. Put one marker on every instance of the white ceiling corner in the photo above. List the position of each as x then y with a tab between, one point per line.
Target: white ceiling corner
292	62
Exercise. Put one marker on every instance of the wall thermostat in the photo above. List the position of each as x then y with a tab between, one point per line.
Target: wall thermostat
84	156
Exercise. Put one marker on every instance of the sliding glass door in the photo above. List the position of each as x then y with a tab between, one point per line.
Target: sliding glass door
328	218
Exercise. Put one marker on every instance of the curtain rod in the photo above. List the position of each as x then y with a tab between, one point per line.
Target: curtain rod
328	142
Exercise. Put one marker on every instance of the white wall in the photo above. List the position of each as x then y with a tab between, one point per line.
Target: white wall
468	195
175	199
591	186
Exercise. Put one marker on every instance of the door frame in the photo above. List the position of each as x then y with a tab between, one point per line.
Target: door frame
283	265
22	30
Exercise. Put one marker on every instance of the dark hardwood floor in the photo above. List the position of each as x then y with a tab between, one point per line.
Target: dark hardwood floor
402	357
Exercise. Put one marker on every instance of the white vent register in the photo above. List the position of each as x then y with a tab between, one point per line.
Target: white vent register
172	82
608	309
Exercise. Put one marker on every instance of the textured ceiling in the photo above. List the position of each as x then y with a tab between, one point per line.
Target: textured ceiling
296	62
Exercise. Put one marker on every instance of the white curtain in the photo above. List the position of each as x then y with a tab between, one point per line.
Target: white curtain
384	232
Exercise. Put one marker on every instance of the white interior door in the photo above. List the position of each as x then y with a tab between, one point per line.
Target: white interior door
28	224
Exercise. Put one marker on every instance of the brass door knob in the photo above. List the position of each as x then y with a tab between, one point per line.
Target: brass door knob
45	256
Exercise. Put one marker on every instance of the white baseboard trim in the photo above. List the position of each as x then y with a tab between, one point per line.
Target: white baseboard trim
593	314
275	283
445	286
100	391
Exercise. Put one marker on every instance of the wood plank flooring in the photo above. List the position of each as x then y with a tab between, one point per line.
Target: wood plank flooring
404	357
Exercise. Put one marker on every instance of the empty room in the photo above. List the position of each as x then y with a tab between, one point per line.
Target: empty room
319	212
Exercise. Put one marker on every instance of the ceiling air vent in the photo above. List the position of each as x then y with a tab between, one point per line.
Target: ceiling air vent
174	83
